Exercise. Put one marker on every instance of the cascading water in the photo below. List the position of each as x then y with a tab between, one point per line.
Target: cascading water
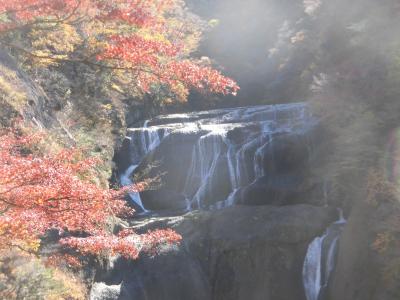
149	139
320	261
234	139
263	122
126	180
209	148
214	159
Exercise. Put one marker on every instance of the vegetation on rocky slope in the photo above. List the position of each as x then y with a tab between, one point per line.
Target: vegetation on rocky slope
342	57
63	70
68	70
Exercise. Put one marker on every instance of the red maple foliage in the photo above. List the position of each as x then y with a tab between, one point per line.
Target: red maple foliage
38	193
137	39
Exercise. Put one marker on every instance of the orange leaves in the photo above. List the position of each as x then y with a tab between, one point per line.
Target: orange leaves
201	78
106	244
158	62
138	51
153	240
138	37
27	11
42	192
127	243
133	12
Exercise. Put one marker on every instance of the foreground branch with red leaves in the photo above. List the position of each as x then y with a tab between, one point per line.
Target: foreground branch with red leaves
126	35
38	193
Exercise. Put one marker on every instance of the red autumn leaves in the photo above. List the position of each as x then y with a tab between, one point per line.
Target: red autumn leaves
38	193
137	38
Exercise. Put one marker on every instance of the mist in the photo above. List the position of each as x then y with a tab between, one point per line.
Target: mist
275	49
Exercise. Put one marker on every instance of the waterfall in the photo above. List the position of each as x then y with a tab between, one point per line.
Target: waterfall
312	269
209	149
126	181
236	139
149	139
320	260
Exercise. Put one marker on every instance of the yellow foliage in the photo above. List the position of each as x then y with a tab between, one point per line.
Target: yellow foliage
26	277
71	287
117	88
50	44
33	245
62	40
180	91
107	106
10	92
213	23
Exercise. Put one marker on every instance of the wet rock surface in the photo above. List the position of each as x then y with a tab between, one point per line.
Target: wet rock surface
251	155
239	184
241	252
164	199
367	263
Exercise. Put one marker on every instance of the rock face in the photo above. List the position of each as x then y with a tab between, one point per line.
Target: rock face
241	180
101	291
164	199
275	190
368	257
241	252
21	96
251	155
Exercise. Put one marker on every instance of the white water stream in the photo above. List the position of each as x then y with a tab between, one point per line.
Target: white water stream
320	260
149	139
238	138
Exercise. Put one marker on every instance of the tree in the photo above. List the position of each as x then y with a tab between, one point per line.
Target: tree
133	38
38	193
142	42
